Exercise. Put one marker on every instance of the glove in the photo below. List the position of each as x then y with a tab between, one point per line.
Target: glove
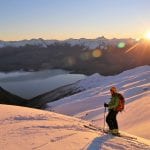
105	105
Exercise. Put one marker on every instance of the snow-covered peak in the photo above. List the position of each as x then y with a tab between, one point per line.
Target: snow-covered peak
34	42
100	42
89	43
90	82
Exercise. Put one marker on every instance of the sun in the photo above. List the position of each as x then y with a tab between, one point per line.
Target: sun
147	35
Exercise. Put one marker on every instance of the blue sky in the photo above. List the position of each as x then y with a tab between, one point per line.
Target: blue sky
62	19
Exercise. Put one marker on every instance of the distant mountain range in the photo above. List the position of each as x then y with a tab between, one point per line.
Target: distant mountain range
86	56
100	42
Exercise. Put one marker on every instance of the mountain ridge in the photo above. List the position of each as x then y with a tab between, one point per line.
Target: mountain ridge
102	57
88	43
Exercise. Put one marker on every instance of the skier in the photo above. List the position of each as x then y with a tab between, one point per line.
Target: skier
115	105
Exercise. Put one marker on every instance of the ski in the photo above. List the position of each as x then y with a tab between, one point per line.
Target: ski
124	136
92	127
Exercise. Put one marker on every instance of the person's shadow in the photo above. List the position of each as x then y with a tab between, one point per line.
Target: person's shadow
98	142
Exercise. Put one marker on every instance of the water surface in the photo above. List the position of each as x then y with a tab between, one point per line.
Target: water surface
31	84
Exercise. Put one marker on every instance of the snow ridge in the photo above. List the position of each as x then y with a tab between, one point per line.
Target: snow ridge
134	84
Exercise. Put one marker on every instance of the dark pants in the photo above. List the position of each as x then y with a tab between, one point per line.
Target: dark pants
111	120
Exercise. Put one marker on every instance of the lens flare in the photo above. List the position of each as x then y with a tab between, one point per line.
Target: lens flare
97	53
121	45
147	35
132	47
69	61
85	56
137	39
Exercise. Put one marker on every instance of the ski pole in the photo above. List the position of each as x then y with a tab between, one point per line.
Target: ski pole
104	118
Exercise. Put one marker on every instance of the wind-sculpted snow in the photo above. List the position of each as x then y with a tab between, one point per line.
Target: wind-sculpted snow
30	129
134	84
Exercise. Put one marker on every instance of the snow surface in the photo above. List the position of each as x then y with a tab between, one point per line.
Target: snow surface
134	84
30	129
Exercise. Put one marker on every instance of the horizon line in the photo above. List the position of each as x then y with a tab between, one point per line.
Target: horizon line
28	39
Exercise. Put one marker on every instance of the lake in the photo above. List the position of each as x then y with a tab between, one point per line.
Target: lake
31	84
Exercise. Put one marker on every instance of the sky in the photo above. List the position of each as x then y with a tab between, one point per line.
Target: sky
63	19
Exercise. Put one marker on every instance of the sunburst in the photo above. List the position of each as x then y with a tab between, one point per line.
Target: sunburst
147	35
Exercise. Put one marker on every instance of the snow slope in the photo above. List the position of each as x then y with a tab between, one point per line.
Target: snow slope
30	129
134	84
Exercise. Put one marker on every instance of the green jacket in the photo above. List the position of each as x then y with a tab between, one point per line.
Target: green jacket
114	102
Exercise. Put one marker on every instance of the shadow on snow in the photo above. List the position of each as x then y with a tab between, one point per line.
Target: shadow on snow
98	142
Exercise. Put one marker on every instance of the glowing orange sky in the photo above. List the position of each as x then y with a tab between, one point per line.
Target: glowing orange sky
65	19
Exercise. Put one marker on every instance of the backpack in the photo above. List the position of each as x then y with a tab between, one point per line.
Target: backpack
121	105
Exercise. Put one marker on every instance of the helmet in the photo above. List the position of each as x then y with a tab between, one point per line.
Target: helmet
113	89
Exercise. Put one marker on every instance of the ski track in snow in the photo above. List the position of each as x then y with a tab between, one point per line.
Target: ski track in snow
30	129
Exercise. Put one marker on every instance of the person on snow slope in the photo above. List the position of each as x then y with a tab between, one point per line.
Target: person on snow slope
115	105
